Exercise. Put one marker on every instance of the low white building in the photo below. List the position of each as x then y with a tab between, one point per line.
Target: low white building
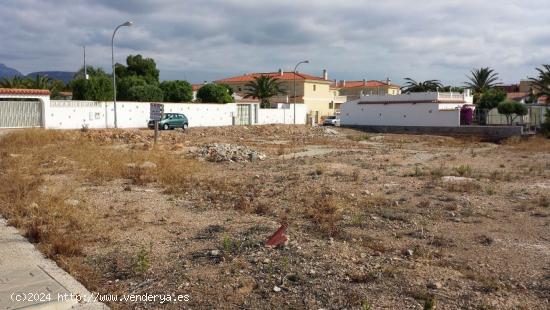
412	109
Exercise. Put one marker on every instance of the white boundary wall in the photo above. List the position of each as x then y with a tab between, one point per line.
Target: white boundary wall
398	114
72	114
416	109
284	114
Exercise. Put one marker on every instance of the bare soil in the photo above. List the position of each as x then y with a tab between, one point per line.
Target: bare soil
374	223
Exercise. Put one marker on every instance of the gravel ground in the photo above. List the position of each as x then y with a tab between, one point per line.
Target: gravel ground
379	221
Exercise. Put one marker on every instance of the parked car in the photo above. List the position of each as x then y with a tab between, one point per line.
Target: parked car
331	121
171	121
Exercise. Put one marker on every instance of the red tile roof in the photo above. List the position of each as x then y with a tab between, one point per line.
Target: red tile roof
17	91
285	76
516	95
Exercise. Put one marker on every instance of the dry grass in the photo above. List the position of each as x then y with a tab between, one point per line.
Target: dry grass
325	211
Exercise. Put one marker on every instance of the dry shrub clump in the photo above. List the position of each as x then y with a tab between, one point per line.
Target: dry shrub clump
325	211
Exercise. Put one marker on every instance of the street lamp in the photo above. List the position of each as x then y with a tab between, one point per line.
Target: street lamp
295	68
126	24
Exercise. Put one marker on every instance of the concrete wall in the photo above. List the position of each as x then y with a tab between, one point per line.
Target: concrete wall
283	115
491	133
72	114
400	114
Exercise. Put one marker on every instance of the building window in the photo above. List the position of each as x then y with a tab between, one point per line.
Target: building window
240	89
314	87
331	105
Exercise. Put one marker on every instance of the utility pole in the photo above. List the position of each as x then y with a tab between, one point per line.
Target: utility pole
85	69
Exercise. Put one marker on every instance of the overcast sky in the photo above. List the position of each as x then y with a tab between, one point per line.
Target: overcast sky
209	39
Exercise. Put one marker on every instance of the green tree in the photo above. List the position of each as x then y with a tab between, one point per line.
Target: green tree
40	82
215	93
481	80
14	82
177	91
147	93
487	101
124	85
491	98
136	65
542	82
511	109
412	86
99	86
264	87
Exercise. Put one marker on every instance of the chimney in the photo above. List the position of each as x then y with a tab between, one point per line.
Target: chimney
342	83
388	81
281	72
325	74
364	82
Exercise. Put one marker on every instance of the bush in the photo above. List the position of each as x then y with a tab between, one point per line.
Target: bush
177	91
215	93
145	93
511	109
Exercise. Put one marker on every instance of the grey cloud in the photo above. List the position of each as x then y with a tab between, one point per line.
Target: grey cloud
199	39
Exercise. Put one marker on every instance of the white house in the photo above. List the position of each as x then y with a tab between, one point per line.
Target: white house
412	109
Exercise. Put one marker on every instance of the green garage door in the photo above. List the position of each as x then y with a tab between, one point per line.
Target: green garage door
14	114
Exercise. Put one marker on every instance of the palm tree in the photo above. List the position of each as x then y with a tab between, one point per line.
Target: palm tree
541	85
14	82
412	86
41	82
482	80
264	87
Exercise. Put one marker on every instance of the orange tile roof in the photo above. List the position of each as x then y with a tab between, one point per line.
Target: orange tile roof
516	95
285	76
18	91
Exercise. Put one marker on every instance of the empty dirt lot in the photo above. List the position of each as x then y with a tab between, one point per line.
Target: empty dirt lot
376	221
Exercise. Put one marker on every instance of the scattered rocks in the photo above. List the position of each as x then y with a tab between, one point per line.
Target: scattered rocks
408	252
330	131
148	165
435	285
276	289
453	179
72	202
228	152
215	253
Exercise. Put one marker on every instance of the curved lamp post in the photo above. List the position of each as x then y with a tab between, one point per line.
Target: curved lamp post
296	68
126	24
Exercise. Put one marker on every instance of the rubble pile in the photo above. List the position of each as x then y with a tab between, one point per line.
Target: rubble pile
220	152
126	136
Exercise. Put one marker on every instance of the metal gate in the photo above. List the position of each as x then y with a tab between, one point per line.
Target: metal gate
15	114
243	114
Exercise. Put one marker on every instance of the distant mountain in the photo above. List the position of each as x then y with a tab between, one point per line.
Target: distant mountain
7	72
64	76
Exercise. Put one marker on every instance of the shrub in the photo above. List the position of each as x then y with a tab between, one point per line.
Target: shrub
463	170
177	91
511	109
215	93
145	93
